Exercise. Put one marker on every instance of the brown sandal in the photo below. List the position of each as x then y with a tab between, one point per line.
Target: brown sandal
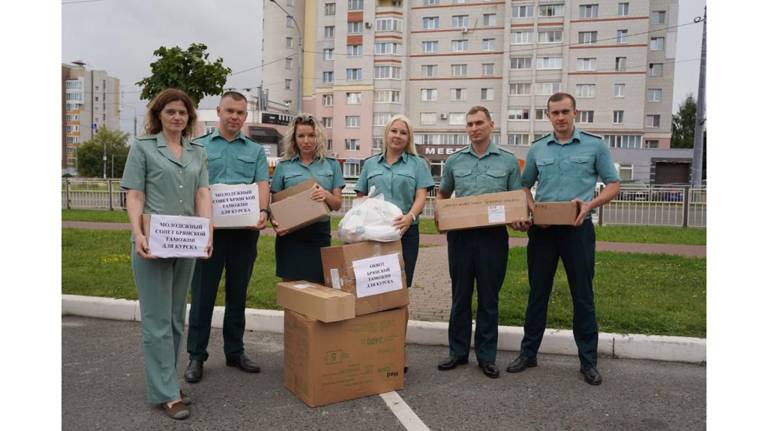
177	411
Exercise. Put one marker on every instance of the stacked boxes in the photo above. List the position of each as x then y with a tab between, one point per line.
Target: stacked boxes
485	210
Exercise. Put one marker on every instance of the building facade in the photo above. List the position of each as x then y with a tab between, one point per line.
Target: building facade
365	60
90	101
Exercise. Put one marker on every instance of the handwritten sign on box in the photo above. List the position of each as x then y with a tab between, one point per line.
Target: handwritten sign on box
177	236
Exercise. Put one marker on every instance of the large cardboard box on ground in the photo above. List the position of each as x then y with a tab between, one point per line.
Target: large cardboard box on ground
326	363
293	208
235	205
316	301
490	209
372	271
555	213
175	236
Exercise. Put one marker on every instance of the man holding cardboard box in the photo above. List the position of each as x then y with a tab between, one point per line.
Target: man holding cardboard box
232	159
479	253
566	164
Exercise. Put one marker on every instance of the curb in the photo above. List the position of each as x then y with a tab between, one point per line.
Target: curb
556	341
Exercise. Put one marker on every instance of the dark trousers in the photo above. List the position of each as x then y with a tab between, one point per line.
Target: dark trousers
410	244
476	255
235	250
576	247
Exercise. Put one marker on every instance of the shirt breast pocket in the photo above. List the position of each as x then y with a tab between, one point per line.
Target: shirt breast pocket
291	179
494	180
324	178
582	164
246	167
215	162
374	180
546	168
404	181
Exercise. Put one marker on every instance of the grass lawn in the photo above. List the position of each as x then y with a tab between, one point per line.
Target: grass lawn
639	234
634	293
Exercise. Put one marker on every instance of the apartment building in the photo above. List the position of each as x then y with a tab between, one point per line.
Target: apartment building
365	60
90	100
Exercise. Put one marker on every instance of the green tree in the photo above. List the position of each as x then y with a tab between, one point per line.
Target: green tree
684	123
188	70
90	154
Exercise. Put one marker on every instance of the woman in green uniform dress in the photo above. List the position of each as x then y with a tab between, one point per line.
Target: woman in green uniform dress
165	174
298	253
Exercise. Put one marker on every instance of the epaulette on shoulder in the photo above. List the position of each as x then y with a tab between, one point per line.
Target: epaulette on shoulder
594	135
145	138
248	139
201	137
507	151
541	138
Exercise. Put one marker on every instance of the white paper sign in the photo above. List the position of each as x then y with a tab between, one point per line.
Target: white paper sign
335	279
301	286
378	274
235	205
496	214
178	236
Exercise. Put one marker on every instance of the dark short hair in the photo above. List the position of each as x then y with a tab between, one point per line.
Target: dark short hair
153	125
561	96
234	95
479	108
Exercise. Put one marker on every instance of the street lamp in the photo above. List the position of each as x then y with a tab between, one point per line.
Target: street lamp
301	56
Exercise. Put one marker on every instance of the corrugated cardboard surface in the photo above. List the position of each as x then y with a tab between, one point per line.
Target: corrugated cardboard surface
555	213
316	301
326	363
341	258
236	221
473	211
293	208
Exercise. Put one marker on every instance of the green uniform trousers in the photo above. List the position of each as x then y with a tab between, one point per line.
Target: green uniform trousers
162	286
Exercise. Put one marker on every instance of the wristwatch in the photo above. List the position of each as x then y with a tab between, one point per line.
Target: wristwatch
266	210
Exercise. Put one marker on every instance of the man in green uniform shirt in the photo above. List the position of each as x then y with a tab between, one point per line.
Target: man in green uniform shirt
232	159
566	164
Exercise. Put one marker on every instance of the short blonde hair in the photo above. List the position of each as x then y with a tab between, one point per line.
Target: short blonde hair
410	148
291	148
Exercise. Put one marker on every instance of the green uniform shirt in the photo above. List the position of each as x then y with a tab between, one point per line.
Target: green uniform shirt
240	161
169	184
326	171
469	174
568	171
398	182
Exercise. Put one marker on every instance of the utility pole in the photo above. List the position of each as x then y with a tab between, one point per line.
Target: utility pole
698	133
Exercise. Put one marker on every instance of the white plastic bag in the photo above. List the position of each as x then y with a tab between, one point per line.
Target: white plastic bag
370	219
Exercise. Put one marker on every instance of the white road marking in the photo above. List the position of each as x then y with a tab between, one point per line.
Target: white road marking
407	417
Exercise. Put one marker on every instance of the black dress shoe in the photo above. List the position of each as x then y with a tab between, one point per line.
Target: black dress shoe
490	369
591	376
450	363
520	364
194	372
243	363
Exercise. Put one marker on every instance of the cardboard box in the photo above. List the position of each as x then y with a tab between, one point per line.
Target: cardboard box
372	271
555	213
293	208
235	205
175	236
316	301
326	363
490	209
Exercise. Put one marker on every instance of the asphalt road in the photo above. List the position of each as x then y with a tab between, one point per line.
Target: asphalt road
103	389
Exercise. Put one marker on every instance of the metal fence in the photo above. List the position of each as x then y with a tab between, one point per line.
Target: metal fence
681	206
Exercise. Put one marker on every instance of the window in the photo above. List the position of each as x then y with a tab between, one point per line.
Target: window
327	99
429	70
525	11
541	114
328	31
428	94
519	88
551	10
549	63
288	64
517	114
653	121
623	9
460	45
355	27
658	17
352	168
330	9
457	118
489	19
657	43
389	24
585	90
327	77
458	94
328	54
354	50
378	143
517	139
386	96
550	36
586	37
458	70
621	36
430	2
588	11
287	84
656	69
584	64
430	22
386	48
289	21
521	37
547	88
488	69
428	118
386	72
429	46
520	62
352	121
354	98
355	74
352	144
621	64
381	118
328	122
355	4
459	21
654	94
489	44
486	94
585	117
618	90
289	42
651	143
622	141
625	172
618	117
